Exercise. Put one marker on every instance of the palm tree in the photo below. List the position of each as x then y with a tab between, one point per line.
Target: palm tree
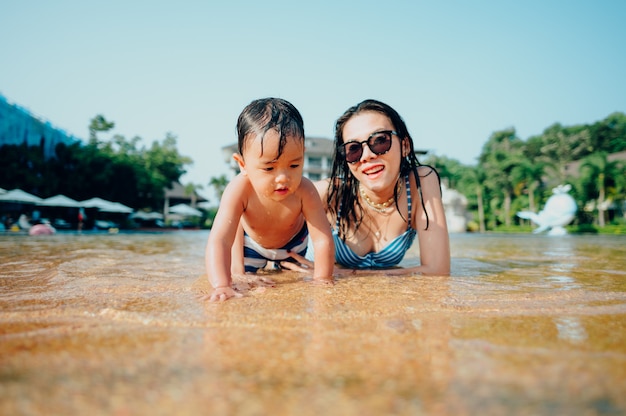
499	156
219	184
563	144
475	179
190	190
529	176
598	174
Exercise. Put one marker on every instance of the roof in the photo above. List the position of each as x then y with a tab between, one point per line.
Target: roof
178	191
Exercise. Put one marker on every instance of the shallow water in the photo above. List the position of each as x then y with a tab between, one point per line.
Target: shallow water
111	324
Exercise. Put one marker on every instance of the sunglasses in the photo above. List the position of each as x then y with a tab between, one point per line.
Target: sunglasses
379	143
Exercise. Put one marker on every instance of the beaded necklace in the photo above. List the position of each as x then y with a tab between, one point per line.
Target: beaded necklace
378	207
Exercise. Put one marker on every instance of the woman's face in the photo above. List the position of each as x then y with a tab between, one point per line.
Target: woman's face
378	173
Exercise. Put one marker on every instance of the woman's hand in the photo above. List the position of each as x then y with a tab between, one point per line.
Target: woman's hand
307	266
303	266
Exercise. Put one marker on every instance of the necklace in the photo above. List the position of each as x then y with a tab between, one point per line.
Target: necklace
378	207
378	233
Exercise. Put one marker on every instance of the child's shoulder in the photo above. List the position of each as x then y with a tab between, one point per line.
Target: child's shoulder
306	186
239	180
238	187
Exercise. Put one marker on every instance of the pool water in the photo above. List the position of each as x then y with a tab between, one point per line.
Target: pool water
105	324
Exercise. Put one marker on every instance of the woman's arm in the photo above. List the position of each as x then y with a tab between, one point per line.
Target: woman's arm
434	241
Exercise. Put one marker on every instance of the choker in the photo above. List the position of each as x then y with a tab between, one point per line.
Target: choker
379	207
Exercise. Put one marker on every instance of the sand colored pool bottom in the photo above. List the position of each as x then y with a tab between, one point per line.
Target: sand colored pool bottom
103	324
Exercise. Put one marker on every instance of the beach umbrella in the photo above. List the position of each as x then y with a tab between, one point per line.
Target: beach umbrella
117	207
96	203
185	210
205	205
59	201
106	206
17	195
146	216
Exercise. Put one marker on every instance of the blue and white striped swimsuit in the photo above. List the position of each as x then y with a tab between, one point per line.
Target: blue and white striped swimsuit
389	256
256	256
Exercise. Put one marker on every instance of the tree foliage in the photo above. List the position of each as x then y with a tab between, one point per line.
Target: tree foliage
219	184
118	169
515	174
511	173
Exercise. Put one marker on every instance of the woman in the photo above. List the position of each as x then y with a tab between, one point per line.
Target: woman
379	197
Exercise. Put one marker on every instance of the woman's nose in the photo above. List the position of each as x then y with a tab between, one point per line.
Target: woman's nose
367	153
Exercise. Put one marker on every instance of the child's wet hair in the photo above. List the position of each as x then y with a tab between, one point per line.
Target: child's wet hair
266	114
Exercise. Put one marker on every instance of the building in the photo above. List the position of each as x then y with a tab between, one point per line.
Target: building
177	194
19	126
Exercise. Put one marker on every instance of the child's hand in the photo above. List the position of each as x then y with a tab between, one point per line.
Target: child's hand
323	282
222	293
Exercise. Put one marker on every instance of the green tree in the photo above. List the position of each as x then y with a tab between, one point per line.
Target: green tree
527	176
499	156
98	124
219	184
450	170
599	180
191	190
609	135
472	185
563	145
164	161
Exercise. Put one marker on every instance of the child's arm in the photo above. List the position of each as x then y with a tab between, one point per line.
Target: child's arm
221	239
319	231
237	261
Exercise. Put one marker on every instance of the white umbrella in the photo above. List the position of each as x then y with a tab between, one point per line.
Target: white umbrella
96	203
117	207
205	205
106	206
185	210
60	201
147	215
17	195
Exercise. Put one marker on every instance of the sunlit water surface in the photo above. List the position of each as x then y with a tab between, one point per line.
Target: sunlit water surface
112	324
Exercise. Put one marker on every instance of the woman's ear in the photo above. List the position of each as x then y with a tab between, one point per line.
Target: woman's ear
242	164
406	147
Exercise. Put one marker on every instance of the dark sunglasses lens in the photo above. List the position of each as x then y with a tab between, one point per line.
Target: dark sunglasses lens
381	143
353	152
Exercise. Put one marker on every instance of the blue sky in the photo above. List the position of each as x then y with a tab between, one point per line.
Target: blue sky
455	70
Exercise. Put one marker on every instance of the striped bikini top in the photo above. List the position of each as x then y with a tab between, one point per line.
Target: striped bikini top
389	256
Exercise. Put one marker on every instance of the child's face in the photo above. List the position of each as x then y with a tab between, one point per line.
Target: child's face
271	177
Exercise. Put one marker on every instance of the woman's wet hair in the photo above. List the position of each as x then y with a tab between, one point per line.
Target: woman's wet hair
265	114
344	188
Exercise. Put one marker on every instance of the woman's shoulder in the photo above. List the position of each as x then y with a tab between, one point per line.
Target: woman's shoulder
322	187
425	173
426	170
428	178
